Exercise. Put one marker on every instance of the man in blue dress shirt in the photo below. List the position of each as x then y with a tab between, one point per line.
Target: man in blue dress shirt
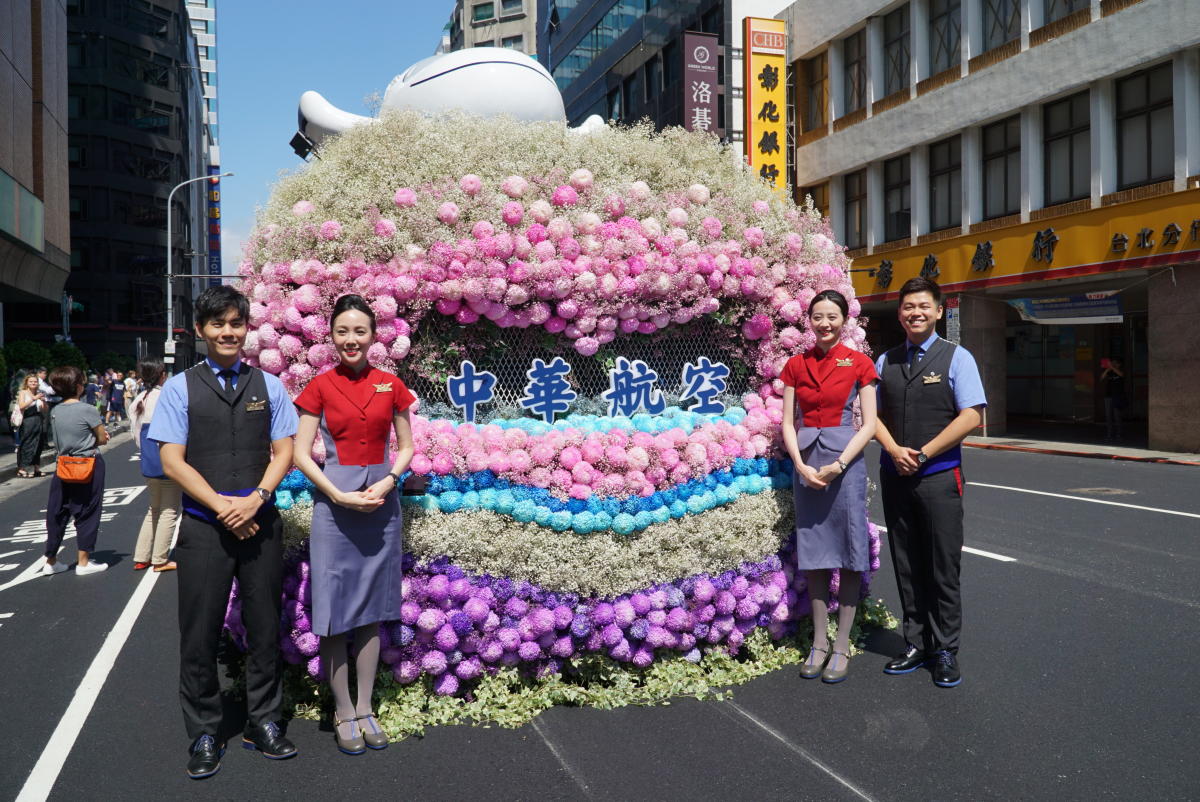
930	398
225	433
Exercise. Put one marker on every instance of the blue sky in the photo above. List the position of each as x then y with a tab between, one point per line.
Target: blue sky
268	53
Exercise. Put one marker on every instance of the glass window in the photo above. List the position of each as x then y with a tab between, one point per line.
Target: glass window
854	188
482	11
1068	155
816	98
1001	22
945	184
623	15
895	50
513	42
1002	168
854	70
1145	128
1057	9
653	78
897	207
820	197
512	6
945	28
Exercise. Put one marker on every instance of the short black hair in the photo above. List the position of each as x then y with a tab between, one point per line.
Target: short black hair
355	303
921	284
214	302
834	297
66	381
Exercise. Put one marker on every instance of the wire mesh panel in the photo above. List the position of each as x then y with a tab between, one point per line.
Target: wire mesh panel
441	345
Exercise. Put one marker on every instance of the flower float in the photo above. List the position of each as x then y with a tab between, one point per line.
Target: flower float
633	532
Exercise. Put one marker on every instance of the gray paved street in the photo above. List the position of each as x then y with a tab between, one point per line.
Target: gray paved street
1078	657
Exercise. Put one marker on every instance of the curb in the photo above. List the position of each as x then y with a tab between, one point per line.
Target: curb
1089	454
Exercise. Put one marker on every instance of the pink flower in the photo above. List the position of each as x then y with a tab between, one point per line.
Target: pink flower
698	193
581	179
588	346
331	230
470	184
513	213
514	186
614	205
404	197
565	195
385	228
448	213
301	208
639	190
760	207
712	227
541	211
754	236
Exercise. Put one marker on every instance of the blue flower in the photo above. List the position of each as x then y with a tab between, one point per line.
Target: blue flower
678	509
450	501
668	496
560	521
724	477
504	502
581	626
583	522
642	520
556	505
639	628
461	623
660	515
576	505
601	522
524	511
283	499
484	479
623	523
542	516
406	635
612	506
595	504
470	500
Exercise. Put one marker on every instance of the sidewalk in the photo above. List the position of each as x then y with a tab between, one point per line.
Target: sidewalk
1095	450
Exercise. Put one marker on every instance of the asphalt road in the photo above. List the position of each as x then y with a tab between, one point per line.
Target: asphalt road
1078	651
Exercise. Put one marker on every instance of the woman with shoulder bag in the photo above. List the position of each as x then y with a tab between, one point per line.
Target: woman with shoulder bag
77	487
166	497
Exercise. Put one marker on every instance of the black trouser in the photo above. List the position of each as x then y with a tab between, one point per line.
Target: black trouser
924	517
82	501
29	454
209	557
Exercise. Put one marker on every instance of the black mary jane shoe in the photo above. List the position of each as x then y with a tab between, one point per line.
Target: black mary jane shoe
268	739
945	670
205	760
908	662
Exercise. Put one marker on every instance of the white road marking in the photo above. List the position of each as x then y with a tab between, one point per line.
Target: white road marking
45	772
1089	500
10	554
796	748
9	566
6	615
970	550
558	755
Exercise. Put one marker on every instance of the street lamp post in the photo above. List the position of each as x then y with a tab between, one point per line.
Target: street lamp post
167	348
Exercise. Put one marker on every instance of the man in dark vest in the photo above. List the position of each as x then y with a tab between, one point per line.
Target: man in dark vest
930	398
225	432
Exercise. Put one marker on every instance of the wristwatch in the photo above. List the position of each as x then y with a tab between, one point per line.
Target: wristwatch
396	479
922	458
263	493
841	464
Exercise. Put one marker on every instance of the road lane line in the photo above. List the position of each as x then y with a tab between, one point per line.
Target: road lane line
971	550
562	761
45	772
1089	500
796	749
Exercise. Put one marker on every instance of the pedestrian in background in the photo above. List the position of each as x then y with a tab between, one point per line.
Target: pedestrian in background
1113	378
116	398
91	393
829	475
52	400
77	487
930	398
32	403
154	539
132	388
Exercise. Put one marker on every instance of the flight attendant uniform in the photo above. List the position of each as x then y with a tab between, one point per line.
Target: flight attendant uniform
831	523
356	557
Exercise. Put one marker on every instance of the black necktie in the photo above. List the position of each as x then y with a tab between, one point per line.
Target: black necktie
229	376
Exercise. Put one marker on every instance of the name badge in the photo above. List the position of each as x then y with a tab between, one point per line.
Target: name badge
932	378
848	362
383	388
256	406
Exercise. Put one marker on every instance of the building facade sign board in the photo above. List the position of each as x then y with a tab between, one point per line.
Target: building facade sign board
765	108
700	81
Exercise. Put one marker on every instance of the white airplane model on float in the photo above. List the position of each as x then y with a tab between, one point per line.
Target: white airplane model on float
487	81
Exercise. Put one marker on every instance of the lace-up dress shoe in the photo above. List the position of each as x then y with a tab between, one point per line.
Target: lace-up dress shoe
945	670
267	738
205	760
908	662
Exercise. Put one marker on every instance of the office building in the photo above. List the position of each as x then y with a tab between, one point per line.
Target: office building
138	126
494	23
1018	152
34	223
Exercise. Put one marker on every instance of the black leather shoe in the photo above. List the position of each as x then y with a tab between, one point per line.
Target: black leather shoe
266	738
908	662
945	670
205	760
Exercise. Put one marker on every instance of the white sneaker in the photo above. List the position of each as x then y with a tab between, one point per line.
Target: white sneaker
48	569
92	567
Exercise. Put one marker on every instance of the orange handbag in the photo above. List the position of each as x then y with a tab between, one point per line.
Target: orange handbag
76	470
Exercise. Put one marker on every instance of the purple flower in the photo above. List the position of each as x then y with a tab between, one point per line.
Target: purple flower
624	613
461	623
516	607
678	620
503	589
641	603
705	590
611	635
693	656
725	602
746	609
563	647
409	612
639	628
701	631
469	669
643	657
542	620
529	651
491	651
621	651
446	639
431	620
308	643
434	663
407	672
476	610
740	587
446	685
406	635
438	589
509	638
581	626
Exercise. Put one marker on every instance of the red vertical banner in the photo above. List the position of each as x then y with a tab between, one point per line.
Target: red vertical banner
764	104
701	81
